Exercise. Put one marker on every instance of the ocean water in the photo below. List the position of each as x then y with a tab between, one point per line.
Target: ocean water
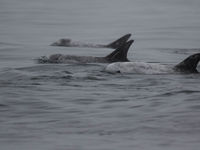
82	107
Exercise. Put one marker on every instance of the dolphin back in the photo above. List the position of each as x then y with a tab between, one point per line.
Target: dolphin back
120	54
189	65
119	42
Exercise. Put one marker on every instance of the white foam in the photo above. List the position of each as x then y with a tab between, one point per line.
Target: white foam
138	68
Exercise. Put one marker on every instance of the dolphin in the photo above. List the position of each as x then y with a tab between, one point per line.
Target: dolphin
69	43
188	65
118	55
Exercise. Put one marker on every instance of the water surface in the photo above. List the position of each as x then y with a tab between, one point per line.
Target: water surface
81	107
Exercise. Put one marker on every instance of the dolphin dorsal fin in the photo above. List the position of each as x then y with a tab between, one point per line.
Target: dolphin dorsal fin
117	43
189	64
120	54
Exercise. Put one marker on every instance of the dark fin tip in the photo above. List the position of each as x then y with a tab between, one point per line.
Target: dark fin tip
189	64
119	42
120	54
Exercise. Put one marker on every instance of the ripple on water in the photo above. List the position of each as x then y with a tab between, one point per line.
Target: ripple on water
4	107
178	92
56	74
195	107
185	51
117	100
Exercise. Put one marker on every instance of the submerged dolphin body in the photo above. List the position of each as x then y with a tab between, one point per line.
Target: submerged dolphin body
118	55
189	65
69	43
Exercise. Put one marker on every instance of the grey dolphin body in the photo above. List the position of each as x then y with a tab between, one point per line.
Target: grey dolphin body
189	65
118	55
69	43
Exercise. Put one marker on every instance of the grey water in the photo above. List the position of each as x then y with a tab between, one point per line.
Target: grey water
80	106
